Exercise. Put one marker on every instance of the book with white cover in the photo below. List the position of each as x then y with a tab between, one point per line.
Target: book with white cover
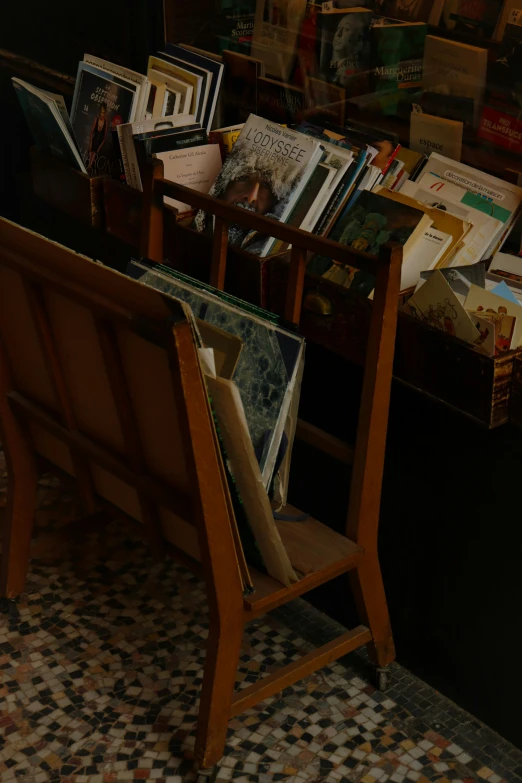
194	167
126	133
504	197
471	207
426	253
184	88
183	74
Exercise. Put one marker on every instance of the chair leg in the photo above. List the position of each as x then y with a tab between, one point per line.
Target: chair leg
370	598
223	650
18	523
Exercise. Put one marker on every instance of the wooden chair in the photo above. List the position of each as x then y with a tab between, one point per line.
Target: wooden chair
100	380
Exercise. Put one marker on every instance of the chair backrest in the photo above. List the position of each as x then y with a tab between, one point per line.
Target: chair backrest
102	376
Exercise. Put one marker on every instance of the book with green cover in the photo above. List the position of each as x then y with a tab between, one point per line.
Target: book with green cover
365	224
397	52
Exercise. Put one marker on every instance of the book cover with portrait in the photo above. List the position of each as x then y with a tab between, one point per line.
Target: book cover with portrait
344	49
264	173
101	102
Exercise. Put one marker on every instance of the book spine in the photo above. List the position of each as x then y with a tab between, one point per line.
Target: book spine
128	155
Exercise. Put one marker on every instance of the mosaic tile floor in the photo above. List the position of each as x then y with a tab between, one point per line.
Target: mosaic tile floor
100	667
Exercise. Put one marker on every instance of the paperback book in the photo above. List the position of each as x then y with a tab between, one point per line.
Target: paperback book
366	225
343	40
397	51
457	68
101	102
265	173
49	123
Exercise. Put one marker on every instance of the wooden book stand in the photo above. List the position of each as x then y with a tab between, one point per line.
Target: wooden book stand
100	380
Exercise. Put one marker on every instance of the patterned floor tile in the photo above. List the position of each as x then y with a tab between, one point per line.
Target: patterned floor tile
101	664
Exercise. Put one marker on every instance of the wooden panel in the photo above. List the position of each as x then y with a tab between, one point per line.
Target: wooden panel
67	189
122	206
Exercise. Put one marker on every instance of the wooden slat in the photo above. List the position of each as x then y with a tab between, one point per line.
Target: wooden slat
152	214
295	671
294	289
264	225
329	444
269	593
131	436
173	499
219	254
62	395
102	306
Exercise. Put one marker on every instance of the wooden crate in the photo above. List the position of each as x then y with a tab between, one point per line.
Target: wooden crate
67	189
427	359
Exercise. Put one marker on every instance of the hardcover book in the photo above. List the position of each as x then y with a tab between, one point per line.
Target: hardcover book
276	30
265	173
343	39
240	85
471	16
456	68
235	25
397	51
101	102
282	103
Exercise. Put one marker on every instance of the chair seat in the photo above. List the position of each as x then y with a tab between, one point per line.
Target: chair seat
331	554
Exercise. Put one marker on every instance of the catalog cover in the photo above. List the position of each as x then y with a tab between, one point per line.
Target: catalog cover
345	48
263	174
100	104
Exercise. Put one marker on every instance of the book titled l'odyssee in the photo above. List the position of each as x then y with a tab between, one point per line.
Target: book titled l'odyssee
101	102
264	173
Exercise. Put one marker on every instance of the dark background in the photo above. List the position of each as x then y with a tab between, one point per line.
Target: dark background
450	537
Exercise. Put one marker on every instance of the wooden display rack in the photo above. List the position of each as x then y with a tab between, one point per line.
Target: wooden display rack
433	363
100	380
